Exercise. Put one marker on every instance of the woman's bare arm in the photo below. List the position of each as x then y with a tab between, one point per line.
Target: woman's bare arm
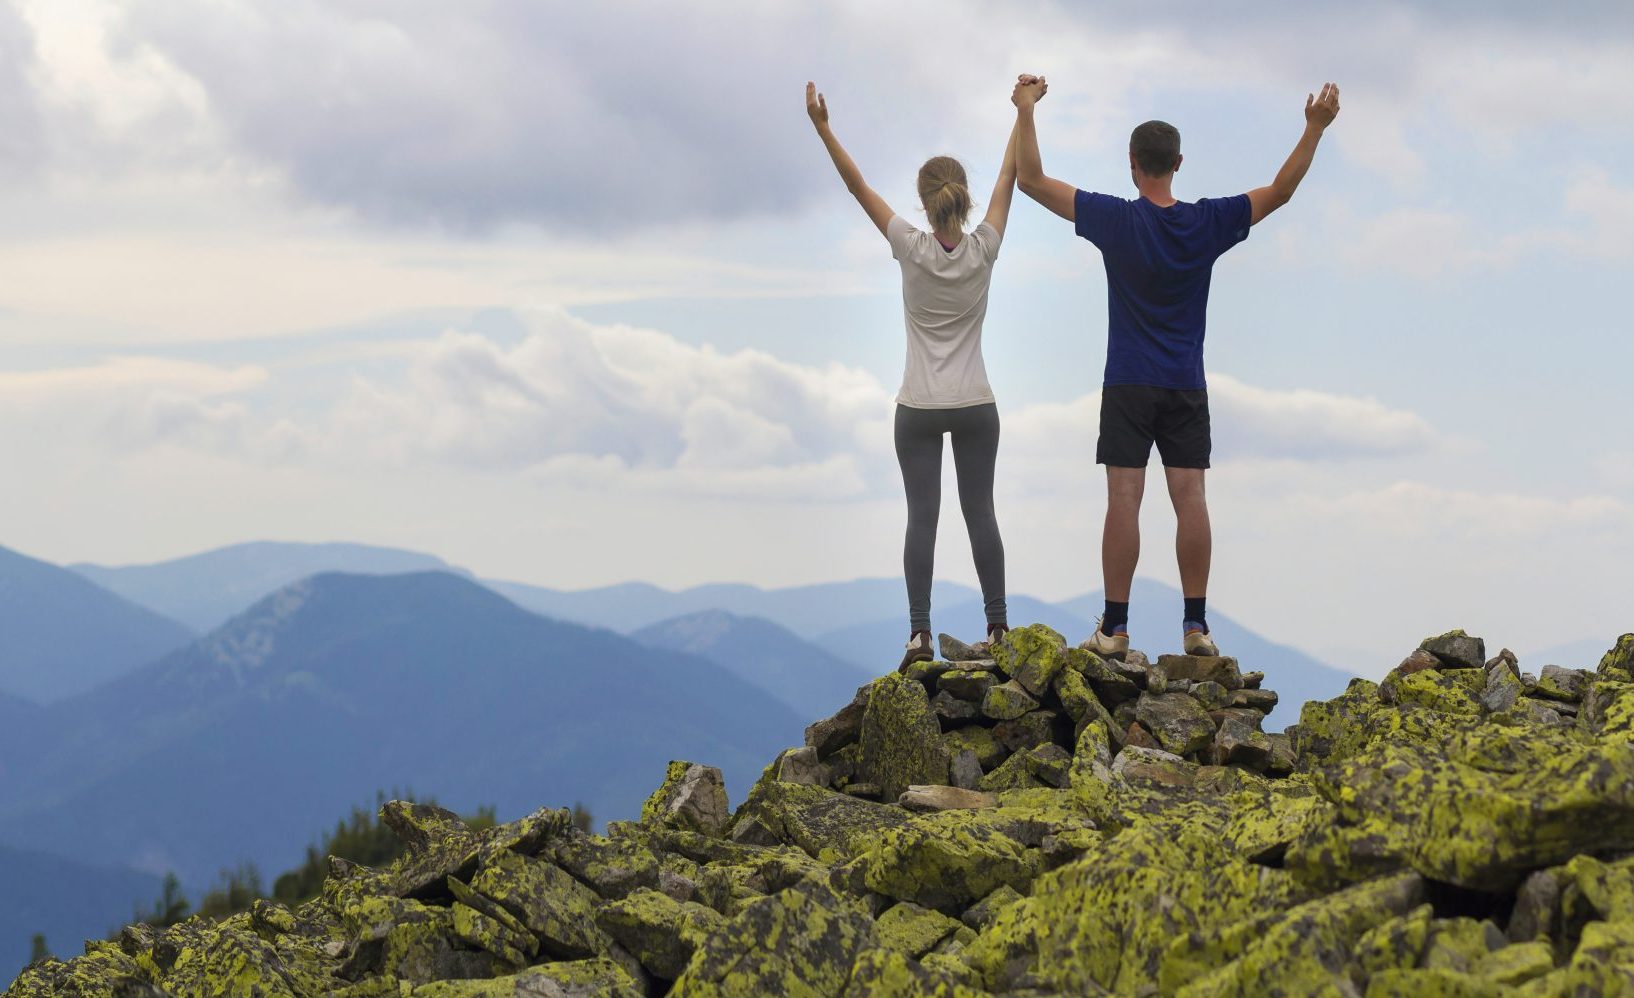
872	203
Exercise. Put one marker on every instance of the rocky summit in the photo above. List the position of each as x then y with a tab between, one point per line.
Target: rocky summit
1022	820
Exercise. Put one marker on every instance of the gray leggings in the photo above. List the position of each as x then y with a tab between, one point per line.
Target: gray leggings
975	431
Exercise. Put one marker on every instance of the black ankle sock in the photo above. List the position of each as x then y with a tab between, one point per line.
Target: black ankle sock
1117	615
1195	614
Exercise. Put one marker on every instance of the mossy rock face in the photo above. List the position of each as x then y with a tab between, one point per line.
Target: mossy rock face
661	932
1301	951
1104	929
977	739
1444	692
1007	701
799	942
888	973
1402	806
949	859
913	929
1032	656
599	977
829	826
1618	663
554	906
901	743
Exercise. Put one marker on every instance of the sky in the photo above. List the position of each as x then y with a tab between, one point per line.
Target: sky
571	295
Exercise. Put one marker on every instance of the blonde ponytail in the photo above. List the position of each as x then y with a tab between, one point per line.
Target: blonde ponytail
945	193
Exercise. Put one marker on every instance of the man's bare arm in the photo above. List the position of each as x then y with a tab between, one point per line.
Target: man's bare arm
1056	195
878	211
1320	110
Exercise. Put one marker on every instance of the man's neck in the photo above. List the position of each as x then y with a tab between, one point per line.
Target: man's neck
1155	189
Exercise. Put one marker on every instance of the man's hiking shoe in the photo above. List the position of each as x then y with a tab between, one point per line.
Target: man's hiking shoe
1106	645
918	650
1199	643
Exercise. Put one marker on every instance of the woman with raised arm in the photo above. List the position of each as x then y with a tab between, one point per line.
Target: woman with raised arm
945	274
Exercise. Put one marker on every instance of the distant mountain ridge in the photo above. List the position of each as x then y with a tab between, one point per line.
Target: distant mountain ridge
205	590
61	634
247	742
802	675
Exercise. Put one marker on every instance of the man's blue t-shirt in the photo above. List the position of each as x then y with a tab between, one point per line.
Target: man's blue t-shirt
1158	262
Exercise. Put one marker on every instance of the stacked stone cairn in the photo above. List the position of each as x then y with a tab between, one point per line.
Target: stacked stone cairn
1030	822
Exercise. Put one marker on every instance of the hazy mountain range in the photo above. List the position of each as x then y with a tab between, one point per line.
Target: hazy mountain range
61	634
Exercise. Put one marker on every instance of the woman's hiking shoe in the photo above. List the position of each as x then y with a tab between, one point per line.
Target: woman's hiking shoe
1197	642
1106	645
995	634
918	650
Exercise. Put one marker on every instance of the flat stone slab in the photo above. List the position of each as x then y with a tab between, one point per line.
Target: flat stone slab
1220	669
931	798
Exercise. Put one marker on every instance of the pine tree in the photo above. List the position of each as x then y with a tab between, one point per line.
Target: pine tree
38	950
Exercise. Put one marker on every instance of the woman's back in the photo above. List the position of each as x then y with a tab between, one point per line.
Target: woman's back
944	298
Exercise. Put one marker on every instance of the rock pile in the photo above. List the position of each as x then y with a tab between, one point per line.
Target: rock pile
1037	823
1010	719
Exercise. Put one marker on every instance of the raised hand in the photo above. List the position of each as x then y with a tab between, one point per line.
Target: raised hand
816	106
1029	89
1321	109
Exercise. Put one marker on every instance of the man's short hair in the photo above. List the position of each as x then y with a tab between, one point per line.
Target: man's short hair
1156	146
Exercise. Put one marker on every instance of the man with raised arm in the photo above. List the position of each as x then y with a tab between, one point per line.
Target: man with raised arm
1159	253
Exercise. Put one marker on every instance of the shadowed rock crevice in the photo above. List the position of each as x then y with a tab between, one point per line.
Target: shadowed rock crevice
1027	820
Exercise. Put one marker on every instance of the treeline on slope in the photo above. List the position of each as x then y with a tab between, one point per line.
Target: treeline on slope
359	837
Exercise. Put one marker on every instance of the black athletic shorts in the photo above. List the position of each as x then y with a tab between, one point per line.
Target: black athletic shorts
1133	417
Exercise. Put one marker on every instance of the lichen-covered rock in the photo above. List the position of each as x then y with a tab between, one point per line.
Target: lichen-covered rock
975	738
828	826
439	845
800	765
912	929
1568	685
658	930
596	978
948	859
1447	692
1302	951
1456	650
901	743
1032	657
1180	725
799	942
1007	701
888	973
691	797
1450	819
1618	663
1107	919
554	906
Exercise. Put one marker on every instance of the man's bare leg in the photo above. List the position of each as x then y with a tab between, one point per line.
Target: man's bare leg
1193	540
1120	539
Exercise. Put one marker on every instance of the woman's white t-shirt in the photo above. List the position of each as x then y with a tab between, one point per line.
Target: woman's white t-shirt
944	298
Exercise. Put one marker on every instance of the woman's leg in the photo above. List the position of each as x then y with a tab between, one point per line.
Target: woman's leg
919	452
975	452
